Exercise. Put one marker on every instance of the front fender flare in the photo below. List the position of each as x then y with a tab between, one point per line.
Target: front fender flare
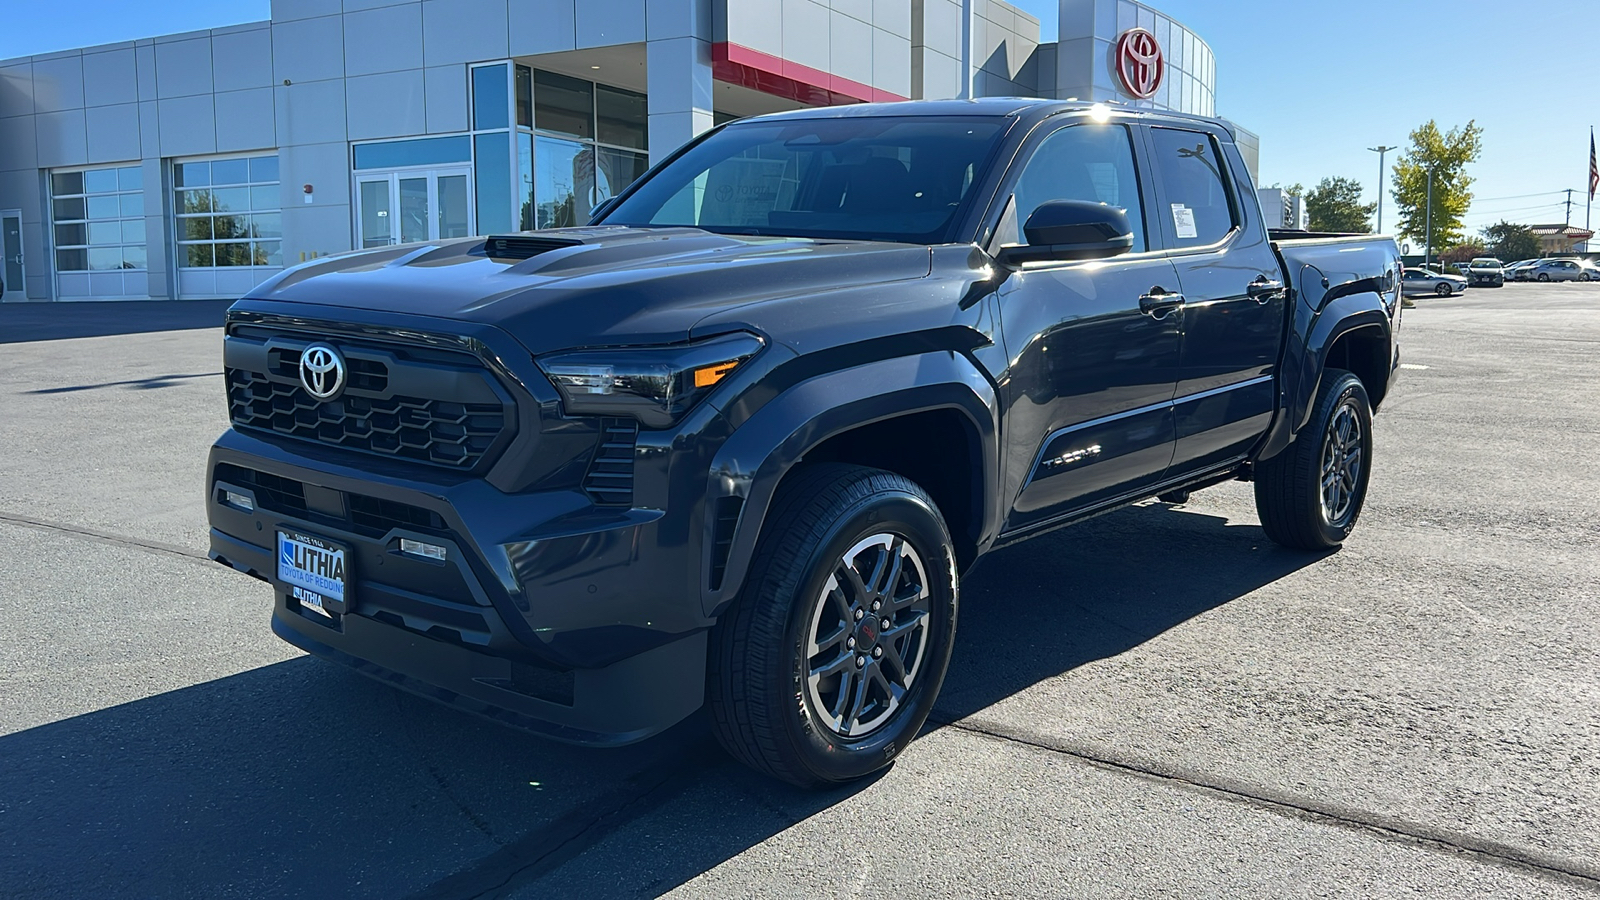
754	459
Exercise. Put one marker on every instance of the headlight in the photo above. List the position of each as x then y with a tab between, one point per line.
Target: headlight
655	385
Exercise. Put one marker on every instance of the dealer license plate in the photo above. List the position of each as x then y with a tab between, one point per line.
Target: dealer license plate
314	570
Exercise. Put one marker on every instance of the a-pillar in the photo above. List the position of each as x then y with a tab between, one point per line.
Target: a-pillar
678	73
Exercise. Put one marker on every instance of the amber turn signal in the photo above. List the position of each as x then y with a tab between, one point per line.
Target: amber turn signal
706	376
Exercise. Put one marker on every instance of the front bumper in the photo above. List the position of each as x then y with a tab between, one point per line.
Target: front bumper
548	613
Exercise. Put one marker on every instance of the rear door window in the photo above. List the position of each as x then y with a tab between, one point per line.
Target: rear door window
1195	200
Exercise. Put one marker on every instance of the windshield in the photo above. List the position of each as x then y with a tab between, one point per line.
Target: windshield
1485	263
882	179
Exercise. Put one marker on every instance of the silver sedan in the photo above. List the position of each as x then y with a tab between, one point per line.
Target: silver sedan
1559	270
1427	281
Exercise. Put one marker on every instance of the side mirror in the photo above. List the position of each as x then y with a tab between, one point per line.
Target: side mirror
1071	229
601	210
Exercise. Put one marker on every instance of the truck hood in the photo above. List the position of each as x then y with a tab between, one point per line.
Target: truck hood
606	286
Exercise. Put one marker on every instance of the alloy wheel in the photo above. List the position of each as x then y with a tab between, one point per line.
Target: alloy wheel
1341	463
868	635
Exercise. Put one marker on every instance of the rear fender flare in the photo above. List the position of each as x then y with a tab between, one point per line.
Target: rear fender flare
755	458
1306	357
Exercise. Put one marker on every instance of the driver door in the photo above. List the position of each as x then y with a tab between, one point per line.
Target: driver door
1094	358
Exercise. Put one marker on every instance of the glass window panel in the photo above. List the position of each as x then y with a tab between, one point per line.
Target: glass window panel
69	235
133	258
1082	162
100	181
235	254
562	104
264	168
103	233
266	197
62	183
230	171
72	260
105	258
194	201
131	204
618	169
130	178
489	100
133	231
622	118
524	96
375	228
233	199
563	182
413	210
198	256
192	174
1192	187
419	152
104	208
268	253
63	210
194	228
266	225
231	227
525	182
453	221
493	171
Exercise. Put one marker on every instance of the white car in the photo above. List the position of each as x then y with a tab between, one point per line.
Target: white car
1559	270
1427	281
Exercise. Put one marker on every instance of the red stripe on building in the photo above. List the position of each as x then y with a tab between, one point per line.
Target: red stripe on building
737	64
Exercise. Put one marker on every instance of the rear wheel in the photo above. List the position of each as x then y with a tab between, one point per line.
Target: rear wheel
829	662
1310	495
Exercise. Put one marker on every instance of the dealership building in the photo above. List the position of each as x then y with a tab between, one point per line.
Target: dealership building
196	165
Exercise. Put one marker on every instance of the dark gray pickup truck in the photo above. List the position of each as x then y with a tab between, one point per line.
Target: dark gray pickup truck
737	442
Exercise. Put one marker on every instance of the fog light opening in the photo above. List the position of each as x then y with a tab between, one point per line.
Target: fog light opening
421	550
239	501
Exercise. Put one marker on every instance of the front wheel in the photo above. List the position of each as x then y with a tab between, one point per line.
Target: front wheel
1309	495
1443	290
1584	277
1544	276
830	660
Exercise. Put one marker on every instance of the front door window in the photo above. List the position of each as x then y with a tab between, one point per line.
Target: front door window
413	206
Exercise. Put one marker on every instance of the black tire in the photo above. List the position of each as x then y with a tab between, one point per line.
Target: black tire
1290	486
1443	289
1544	276
759	688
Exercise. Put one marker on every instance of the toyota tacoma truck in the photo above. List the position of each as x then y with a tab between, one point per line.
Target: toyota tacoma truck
736	442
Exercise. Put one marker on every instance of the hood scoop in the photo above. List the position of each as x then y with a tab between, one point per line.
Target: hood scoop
523	246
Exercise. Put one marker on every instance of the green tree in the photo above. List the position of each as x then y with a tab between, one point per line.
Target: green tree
1466	251
1509	243
1447	155
1335	205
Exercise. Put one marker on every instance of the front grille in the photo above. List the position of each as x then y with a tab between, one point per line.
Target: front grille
610	476
439	432
364	515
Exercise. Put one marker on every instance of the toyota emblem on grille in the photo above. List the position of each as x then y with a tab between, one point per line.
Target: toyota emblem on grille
322	371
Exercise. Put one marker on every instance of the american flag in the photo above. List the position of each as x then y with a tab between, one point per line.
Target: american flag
1594	167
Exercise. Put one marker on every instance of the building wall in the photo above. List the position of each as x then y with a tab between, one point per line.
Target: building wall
1084	67
842	43
1005	44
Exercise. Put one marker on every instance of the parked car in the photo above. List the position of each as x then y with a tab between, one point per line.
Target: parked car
1514	272
1559	270
1426	281
1486	271
736	442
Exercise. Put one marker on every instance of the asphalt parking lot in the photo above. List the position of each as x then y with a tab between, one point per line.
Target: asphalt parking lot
1155	703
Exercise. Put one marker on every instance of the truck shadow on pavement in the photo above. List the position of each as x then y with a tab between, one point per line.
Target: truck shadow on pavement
302	778
24	322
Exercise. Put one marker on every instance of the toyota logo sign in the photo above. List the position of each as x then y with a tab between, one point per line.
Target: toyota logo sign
1140	65
322	371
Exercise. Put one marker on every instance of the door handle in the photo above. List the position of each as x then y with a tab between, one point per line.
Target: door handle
1159	302
1263	290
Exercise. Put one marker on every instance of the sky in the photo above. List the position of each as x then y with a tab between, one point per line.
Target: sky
1318	80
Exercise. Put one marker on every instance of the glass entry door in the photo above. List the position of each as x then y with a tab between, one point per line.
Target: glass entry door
415	205
13	285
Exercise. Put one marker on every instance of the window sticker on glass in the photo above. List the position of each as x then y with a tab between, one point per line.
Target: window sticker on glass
1183	220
